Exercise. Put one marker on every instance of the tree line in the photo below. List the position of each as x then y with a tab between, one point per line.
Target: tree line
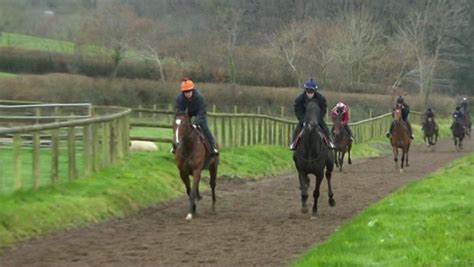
419	46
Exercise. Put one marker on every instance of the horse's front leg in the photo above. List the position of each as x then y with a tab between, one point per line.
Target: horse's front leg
331	200
336	158
212	183
185	178
341	159
319	179
349	160
194	194
304	184
395	156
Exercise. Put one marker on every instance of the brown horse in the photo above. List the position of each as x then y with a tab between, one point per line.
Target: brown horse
342	142
430	133
191	158
400	138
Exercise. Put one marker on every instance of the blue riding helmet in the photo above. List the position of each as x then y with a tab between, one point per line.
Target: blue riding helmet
311	85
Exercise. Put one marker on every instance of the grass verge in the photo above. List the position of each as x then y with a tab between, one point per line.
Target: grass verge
426	223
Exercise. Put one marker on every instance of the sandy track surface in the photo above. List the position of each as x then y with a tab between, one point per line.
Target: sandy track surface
256	222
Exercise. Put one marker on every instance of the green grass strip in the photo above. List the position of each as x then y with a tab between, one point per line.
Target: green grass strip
426	223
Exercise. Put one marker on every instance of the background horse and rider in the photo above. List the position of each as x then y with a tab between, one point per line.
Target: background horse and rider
400	138
342	141
458	131
192	157
313	156
430	132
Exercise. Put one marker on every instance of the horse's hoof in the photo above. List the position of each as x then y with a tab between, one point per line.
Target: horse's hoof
189	217
313	217
332	202
304	209
401	170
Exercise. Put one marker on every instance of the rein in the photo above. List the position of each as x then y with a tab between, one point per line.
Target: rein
310	159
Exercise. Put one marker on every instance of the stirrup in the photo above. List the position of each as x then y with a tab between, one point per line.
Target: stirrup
388	135
292	146
412	136
214	151
331	145
172	150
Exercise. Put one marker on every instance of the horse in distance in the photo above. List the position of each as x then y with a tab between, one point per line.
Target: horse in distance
400	139
342	142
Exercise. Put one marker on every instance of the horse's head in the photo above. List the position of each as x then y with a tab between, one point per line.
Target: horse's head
181	126
397	113
338	122
311	119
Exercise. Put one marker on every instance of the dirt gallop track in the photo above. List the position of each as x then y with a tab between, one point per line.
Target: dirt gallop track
257	223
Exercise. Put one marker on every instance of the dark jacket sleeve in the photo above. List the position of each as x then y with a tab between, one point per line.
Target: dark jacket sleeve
406	111
323	105
180	104
201	109
299	107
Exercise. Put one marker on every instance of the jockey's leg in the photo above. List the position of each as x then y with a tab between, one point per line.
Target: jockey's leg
209	136
346	126
325	128
389	133
296	131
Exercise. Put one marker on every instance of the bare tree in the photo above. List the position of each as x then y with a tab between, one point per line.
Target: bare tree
148	43
355	45
431	32
112	27
228	24
288	44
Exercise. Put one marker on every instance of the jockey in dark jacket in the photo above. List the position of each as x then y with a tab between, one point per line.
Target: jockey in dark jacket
429	113
192	100
458	115
405	111
310	93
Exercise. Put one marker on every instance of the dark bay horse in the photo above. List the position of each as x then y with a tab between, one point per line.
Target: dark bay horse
342	142
458	132
400	138
191	158
430	133
313	156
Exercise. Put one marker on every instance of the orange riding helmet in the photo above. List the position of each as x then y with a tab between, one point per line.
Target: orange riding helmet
187	85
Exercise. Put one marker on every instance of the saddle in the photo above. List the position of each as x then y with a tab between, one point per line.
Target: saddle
202	137
300	133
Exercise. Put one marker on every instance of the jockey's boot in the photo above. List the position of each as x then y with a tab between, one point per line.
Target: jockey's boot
292	146
214	151
412	136
173	149
388	135
331	143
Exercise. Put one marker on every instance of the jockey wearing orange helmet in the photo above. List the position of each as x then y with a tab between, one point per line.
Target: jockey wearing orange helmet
191	99
344	109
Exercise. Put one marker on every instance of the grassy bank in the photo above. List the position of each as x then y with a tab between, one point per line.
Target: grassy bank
426	223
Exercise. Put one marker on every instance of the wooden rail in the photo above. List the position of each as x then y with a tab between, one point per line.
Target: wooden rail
76	147
240	129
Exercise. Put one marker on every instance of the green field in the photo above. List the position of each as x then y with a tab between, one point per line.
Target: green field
30	42
426	223
6	74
